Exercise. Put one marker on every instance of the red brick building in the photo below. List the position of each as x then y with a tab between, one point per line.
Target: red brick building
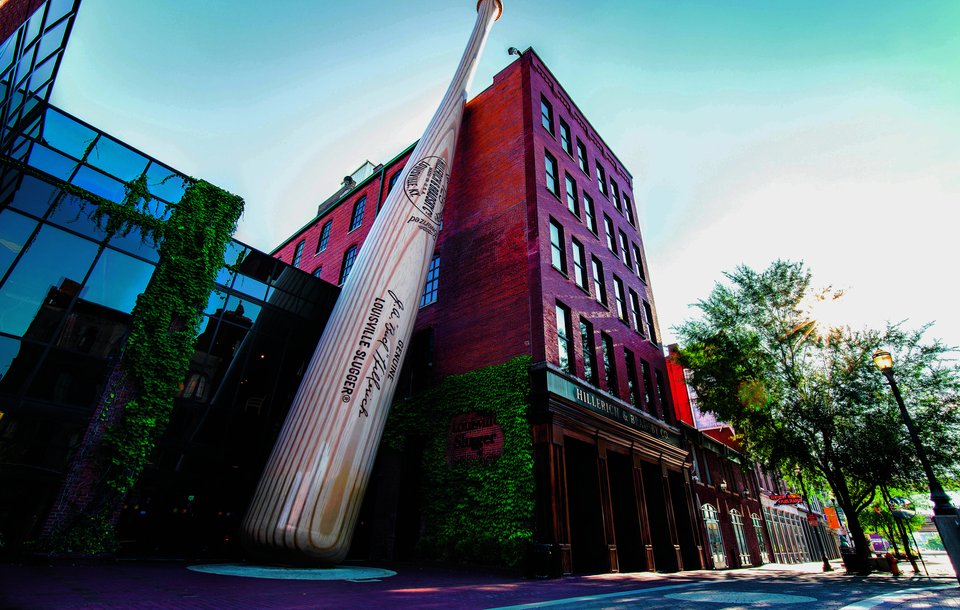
540	254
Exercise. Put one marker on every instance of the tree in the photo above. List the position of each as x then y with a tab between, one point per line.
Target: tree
801	394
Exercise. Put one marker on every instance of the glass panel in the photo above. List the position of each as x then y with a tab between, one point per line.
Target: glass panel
52	39
134	242
58	8
116	159
99	184
215	303
42	74
15	230
48	274
117	280
34	196
165	183
65	378
66	135
250	286
34	27
77	215
241	311
6	53
231	257
11	362
51	162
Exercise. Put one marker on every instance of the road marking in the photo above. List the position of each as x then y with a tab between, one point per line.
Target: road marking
589	598
740	597
897	596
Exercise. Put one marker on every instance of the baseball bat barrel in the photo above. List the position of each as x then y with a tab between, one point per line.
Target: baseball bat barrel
306	503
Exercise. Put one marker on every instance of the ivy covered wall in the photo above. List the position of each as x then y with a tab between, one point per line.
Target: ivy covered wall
476	510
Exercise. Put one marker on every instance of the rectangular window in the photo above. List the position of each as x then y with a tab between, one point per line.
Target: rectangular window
565	138
650	325
546	114
348	257
550	163
601	179
599	284
647	387
324	237
628	208
611	240
638	260
625	250
564	336
582	157
572	203
357	218
591	213
609	366
298	254
615	195
633	384
579	264
621	297
661	393
558	254
589	352
433	282
635	310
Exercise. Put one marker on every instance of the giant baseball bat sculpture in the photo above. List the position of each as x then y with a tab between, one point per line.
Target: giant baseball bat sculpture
307	500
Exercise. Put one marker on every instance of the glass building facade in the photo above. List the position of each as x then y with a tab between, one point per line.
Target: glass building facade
68	288
29	58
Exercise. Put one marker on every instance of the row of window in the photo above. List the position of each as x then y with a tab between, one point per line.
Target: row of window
625	250
631	308
621	201
640	396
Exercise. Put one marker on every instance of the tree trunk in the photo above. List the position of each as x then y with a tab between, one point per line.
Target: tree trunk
861	559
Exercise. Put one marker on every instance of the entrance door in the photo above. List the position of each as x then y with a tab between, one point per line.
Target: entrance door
714	538
664	555
626	517
587	545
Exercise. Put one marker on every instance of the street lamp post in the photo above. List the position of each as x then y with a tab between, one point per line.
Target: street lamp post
816	534
945	516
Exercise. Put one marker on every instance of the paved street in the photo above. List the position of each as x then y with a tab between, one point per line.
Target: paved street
139	584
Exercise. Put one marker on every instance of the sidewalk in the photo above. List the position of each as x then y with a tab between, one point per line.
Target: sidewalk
175	584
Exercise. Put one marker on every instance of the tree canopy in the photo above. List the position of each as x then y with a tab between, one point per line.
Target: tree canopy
802	394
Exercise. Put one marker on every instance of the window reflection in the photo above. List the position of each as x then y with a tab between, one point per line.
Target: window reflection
116	159
53	266
117	280
15	230
98	184
77	215
34	196
51	162
65	134
135	242
165	183
243	310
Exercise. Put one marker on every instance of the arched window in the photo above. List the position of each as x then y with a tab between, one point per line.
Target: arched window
348	257
714	538
758	528
357	218
196	387
743	550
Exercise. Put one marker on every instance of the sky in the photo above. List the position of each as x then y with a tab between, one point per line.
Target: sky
821	131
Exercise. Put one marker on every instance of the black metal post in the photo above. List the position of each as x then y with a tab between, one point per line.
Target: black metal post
945	516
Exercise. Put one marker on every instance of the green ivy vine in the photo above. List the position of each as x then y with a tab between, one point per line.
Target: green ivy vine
476	511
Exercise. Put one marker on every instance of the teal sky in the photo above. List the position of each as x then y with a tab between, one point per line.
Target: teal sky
822	131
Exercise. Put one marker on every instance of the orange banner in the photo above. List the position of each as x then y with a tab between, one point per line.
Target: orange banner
832	520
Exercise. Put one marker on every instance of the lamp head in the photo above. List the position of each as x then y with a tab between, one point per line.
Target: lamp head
514	51
723	485
883	360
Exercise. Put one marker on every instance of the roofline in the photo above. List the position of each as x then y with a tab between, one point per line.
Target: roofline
347	195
